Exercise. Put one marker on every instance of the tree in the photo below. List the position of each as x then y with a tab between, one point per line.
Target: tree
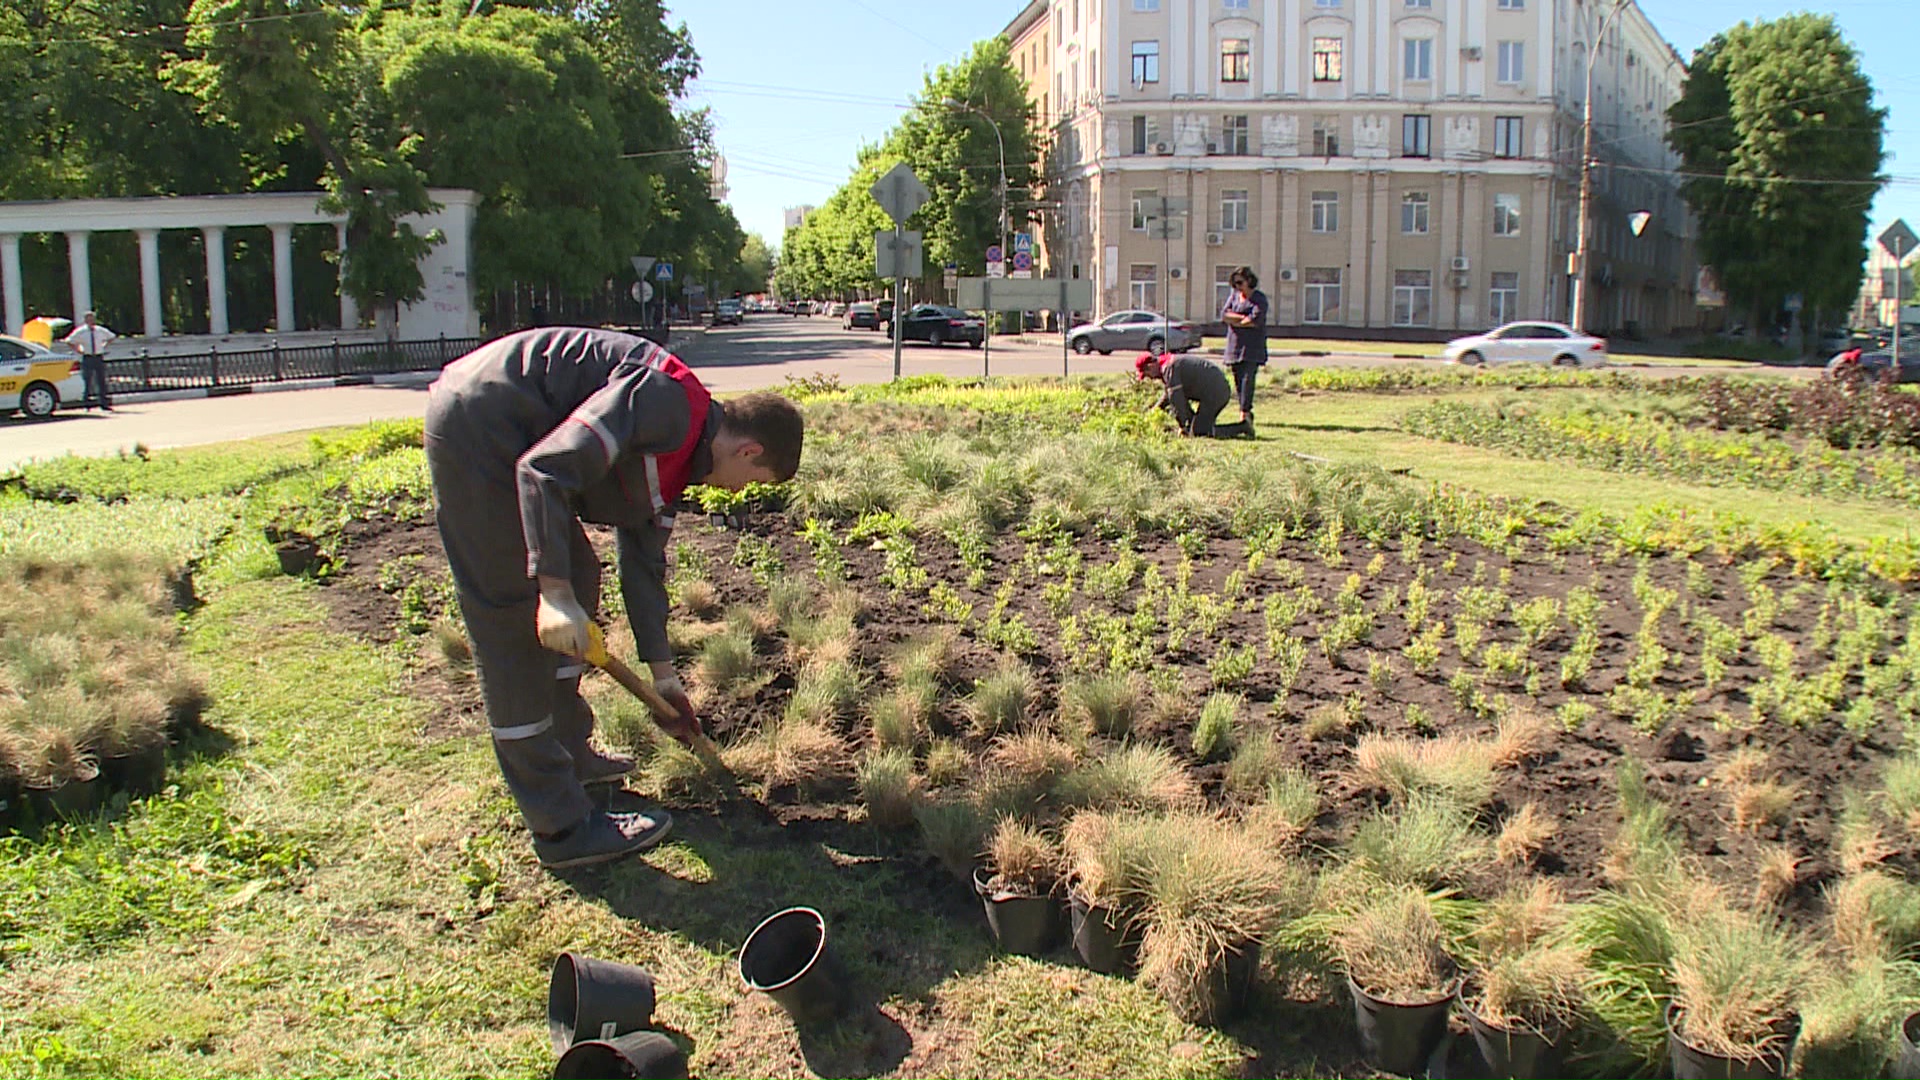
1777	128
955	153
757	265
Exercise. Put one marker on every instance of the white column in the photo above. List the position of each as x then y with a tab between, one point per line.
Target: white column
150	280
1355	218
1270	58
16	305
282	278
216	240
349	311
1380	253
1449	316
1542	47
1178	82
80	272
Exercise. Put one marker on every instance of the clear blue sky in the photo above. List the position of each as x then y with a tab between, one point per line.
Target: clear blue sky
796	88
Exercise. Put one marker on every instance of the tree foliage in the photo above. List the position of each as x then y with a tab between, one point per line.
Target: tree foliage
1778	125
955	153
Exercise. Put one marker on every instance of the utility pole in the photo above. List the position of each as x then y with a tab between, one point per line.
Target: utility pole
1582	253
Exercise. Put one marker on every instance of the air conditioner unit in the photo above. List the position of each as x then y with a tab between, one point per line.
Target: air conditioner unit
1213	148
1214	239
1177	273
1163	149
1471	52
1460	264
1460	281
1288	273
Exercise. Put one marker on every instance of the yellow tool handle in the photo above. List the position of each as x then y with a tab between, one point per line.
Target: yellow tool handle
599	657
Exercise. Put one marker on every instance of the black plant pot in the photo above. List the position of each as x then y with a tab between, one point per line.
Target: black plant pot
1233	983
1906	1064
297	555
1515	1052
644	1054
75	798
788	958
1692	1063
1398	1038
139	773
595	999
1028	925
1103	937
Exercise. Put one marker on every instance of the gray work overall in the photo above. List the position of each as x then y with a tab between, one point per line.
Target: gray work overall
526	437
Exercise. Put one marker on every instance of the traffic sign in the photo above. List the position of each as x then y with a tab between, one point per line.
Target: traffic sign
897	253
1033	294
900	193
1023	264
995	253
1899	240
642	264
951	278
663	271
642	292
1022	242
1795	302
996	269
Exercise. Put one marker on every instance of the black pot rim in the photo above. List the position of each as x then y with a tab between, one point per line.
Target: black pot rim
1444	996
982	887
1473	1016
1910	1030
819	947
1674	1011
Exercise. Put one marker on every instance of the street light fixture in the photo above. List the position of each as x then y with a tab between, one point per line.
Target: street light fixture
1582	254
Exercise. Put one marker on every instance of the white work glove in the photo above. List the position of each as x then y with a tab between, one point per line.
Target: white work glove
687	724
562	624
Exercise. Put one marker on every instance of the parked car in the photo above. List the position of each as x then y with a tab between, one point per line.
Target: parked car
837	310
860	316
34	381
1873	365
726	313
1133	331
1529	343
937	325
802	307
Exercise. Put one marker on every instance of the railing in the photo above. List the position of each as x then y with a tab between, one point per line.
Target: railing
214	369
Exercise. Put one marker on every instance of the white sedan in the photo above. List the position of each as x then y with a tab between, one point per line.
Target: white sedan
1529	343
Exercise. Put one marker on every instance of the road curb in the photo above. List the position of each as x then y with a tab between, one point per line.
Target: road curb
409	379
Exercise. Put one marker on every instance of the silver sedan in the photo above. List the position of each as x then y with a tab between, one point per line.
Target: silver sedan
1133	331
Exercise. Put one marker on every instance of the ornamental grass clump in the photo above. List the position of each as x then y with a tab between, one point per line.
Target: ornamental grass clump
1737	980
1137	777
1394	948
1000	702
889	787
1103	704
1024	860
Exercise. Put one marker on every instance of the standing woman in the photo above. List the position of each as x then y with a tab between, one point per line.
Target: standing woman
1246	317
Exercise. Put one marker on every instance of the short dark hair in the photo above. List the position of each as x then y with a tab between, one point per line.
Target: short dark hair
775	423
1252	279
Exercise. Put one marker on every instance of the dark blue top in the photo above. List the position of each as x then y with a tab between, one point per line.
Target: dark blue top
1247	344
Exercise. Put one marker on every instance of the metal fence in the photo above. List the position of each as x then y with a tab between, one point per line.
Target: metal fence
214	369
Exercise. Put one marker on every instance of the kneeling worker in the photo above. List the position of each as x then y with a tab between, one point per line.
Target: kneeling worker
528	436
1194	390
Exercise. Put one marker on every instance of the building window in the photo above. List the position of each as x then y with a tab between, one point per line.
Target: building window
1513	62
1233	135
1146	5
1507	132
1416	136
1059	24
1417	60
1326	136
1322	295
1141	200
1142	135
1326	3
1235	60
1416	212
1425	5
1506	215
1146	62
1143	286
1412	297
1233	211
1326	59
1326	211
1236	5
1512	5
1503	302
1222	286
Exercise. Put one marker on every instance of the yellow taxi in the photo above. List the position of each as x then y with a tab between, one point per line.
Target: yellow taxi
34	381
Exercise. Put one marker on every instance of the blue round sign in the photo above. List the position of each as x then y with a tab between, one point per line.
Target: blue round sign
994	254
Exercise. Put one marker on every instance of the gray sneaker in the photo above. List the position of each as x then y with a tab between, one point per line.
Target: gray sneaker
603	837
594	767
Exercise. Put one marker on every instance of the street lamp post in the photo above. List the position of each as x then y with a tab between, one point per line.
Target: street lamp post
1581	256
1006	256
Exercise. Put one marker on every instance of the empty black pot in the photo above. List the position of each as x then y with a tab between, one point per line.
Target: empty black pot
639	1054
1103	937
1399	1038
595	999
1515	1052
1692	1063
1906	1065
787	957
1028	925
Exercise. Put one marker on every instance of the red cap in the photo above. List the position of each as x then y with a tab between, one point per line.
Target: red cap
1141	365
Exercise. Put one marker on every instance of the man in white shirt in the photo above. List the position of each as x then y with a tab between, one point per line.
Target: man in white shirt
90	340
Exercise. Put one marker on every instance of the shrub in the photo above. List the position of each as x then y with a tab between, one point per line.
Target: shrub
825	693
1023	859
1105	704
725	660
1395	949
1256	761
1423	843
1213	735
1001	700
953	830
1223	893
1541	988
1138	777
794	751
1735	977
1524	835
948	763
1456	769
1111	856
889	787
1286	810
698	597
1032	758
900	717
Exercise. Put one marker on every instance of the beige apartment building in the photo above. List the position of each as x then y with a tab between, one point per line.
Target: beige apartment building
1406	165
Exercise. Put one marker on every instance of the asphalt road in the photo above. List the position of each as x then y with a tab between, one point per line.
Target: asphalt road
761	353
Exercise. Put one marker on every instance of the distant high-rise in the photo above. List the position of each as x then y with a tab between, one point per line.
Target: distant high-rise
798	214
